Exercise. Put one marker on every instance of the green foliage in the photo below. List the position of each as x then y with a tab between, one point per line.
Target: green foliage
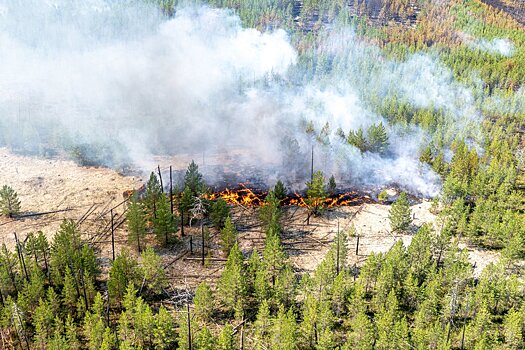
280	190
136	219
228	236
316	193
203	302
193	180
220	211
357	139
400	214
226	340
377	138
123	272
332	186
232	284
152	194
163	330
9	202
270	212
164	224
152	271
383	196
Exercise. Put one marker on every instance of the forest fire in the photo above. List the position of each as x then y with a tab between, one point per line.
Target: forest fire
252	198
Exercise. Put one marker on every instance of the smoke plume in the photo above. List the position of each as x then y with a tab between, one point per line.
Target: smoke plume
122	79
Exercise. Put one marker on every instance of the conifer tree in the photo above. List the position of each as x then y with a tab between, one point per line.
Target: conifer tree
362	336
316	193
284	331
332	186
228	236
280	190
71	334
219	213
163	330
9	202
193	180
270	212
400	214
152	271
377	138
152	194
204	339
164	224
273	257
203	302
136	219
186	204
69	294
226	339
262	325
123	272
357	139
232	284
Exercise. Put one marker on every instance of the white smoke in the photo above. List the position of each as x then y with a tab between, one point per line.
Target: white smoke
121	74
500	46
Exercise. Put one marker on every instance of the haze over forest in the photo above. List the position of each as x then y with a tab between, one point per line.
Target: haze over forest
379	148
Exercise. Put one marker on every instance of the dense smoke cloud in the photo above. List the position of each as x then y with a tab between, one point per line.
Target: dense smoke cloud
121	75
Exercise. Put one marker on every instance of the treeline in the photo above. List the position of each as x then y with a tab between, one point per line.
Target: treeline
422	296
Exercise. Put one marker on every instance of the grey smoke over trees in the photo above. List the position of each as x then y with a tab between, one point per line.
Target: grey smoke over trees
123	80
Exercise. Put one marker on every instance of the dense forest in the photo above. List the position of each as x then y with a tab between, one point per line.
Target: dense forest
56	294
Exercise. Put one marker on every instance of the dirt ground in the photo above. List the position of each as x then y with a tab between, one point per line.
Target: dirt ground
55	184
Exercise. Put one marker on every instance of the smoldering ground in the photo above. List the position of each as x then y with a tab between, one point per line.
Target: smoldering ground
122	80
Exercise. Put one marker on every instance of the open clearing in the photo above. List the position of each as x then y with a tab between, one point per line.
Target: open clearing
54	184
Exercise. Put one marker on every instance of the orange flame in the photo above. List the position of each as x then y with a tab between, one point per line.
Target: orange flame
246	197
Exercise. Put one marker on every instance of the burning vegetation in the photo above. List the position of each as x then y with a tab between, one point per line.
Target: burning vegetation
245	196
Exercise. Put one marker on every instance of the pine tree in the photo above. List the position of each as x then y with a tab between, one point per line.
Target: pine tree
152	271
94	329
186	204
123	272
164	224
152	195
228	236
193	180
226	339
65	251
270	212
316	194
43	321
232	284
308	327
400	214
204	340
377	138
332	186
426	155
203	302
280	190
284	331
262	326
513	330
357	139
72	334
9	202
136	222
163	330
273	257
219	213
69	293
362	336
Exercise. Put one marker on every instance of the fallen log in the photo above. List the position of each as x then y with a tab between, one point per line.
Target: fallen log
21	216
